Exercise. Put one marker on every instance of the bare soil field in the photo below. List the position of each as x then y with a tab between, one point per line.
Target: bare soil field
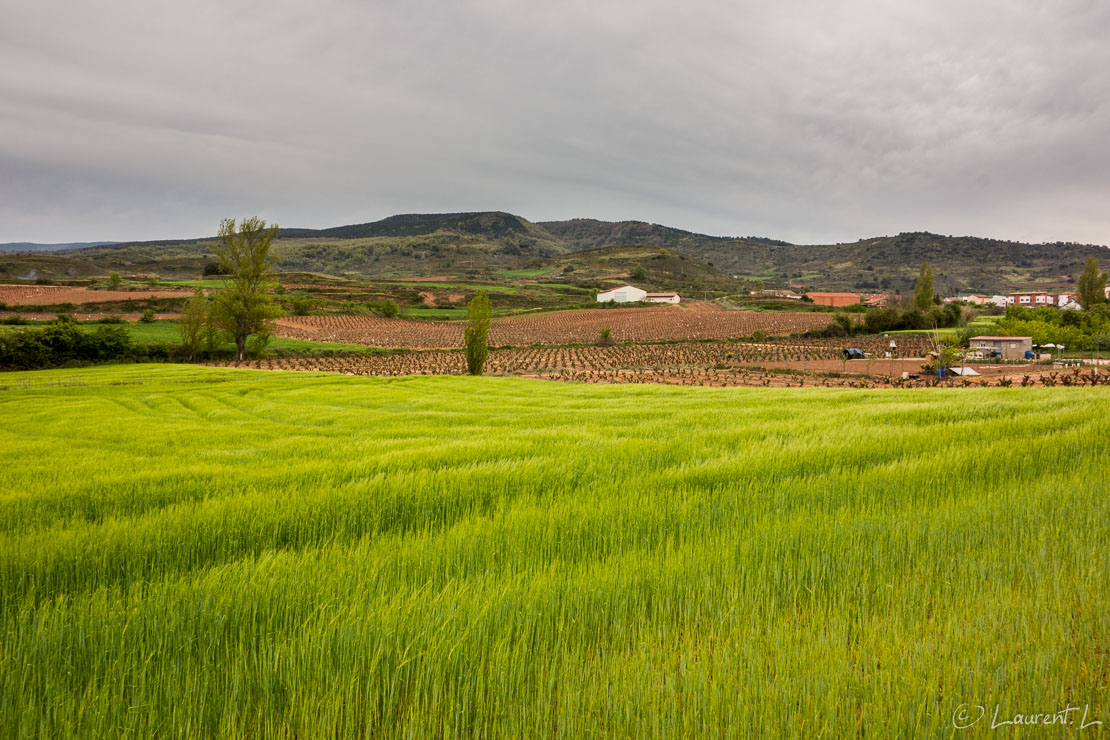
40	316
660	323
44	295
724	364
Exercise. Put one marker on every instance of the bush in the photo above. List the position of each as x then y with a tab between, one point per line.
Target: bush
386	307
63	342
111	320
300	303
148	316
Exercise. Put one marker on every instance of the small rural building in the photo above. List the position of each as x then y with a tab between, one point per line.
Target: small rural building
1028	298
1010	348
876	300
1033	299
999	300
623	294
663	298
777	293
834	299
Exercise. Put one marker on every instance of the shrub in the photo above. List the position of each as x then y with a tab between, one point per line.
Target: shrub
477	332
148	316
300	303
386	307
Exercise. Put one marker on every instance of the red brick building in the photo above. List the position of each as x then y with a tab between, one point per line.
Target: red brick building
834	299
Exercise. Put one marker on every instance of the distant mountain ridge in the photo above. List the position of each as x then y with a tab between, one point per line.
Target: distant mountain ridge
480	242
36	247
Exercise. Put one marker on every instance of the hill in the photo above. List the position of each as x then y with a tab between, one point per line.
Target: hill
485	244
888	263
891	263
36	247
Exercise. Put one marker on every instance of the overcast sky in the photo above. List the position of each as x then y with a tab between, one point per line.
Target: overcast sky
811	121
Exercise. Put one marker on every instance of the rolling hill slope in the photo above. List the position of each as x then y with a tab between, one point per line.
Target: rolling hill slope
482	244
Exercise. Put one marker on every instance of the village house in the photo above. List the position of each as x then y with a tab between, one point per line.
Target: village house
976	299
623	294
1031	299
1034	298
777	293
663	298
1009	348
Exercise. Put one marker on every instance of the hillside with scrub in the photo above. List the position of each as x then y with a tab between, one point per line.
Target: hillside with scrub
483	245
242	553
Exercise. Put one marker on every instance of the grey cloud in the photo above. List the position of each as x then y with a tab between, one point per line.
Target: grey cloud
809	121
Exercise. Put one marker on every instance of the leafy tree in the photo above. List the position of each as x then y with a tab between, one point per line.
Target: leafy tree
477	333
923	288
245	306
386	307
211	335
1091	289
638	273
192	323
605	337
114	281
148	317
300	303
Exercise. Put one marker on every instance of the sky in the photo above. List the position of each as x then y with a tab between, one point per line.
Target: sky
810	121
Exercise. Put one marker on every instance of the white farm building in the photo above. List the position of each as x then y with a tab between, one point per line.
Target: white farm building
624	294
631	294
663	298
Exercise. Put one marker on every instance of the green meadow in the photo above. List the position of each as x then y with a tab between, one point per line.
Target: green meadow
169	331
201	552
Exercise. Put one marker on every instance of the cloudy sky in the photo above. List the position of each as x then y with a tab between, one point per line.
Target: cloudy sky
805	120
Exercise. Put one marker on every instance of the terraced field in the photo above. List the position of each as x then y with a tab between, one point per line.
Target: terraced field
200	552
660	323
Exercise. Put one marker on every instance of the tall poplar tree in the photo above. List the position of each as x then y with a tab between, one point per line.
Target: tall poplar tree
923	288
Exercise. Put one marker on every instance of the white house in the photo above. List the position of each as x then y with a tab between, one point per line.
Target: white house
663	298
1067	301
623	294
1000	300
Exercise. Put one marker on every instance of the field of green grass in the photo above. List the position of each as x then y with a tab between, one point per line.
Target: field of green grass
203	552
167	330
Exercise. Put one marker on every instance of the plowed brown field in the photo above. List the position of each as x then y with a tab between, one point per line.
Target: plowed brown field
739	364
46	295
659	323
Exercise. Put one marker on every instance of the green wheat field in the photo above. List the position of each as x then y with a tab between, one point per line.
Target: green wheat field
198	552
